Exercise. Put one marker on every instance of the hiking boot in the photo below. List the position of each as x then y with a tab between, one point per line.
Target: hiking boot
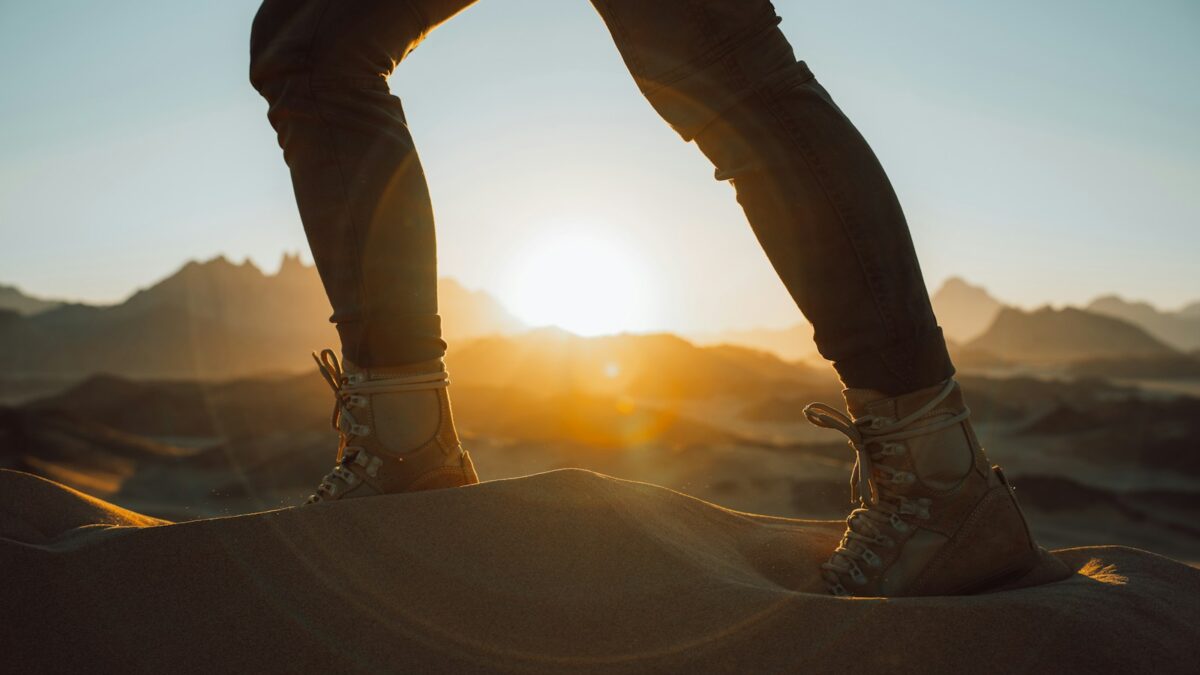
933	517
395	431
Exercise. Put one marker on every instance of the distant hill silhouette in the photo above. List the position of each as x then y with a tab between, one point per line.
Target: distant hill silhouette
964	311
793	343
549	361
209	320
1062	419
1065	335
502	384
544	386
12	298
1179	329
470	314
1179	366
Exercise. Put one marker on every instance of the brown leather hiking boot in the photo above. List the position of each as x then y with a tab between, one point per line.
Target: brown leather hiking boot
933	518
395	431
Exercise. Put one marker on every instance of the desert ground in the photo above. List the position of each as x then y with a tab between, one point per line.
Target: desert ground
650	503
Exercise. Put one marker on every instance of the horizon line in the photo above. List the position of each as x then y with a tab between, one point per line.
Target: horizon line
299	256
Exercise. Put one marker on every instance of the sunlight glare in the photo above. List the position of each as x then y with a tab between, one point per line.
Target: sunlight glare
580	281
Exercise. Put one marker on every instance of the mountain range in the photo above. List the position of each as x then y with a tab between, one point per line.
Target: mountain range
1066	335
1110	337
210	319
1180	329
220	319
966	312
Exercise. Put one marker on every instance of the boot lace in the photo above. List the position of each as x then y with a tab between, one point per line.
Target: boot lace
873	486
351	391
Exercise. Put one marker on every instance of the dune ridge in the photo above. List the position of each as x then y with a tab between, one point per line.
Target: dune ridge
562	571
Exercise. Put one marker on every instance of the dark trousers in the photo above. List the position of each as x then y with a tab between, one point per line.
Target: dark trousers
720	72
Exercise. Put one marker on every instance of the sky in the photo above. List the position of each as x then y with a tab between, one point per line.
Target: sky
1048	151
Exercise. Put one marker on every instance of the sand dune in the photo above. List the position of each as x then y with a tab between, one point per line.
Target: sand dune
562	571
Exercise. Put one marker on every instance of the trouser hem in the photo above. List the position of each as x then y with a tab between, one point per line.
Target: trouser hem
900	368
392	343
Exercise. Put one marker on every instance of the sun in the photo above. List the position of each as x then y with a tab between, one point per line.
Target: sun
581	281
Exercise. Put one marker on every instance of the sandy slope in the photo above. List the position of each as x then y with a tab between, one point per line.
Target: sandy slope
567	570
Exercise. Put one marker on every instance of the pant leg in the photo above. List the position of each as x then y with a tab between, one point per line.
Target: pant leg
323	65
722	74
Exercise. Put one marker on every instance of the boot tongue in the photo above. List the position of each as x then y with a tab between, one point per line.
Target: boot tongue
940	458
862	402
403	421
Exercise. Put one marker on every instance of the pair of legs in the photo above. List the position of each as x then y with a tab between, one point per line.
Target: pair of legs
720	72
933	516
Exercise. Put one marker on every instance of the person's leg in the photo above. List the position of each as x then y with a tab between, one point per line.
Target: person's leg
722	74
323	65
934	518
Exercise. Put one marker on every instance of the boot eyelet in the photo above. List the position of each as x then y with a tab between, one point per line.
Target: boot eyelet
871	558
856	575
898	524
373	467
360	430
838	590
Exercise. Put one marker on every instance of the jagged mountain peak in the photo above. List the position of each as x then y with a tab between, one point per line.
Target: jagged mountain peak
291	264
212	318
964	310
957	283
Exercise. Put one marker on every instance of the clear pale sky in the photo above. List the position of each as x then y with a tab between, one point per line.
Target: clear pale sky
1049	151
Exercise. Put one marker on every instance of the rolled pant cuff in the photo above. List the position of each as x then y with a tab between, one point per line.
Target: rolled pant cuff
398	342
900	368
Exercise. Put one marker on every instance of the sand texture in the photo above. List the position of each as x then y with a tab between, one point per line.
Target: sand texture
561	571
